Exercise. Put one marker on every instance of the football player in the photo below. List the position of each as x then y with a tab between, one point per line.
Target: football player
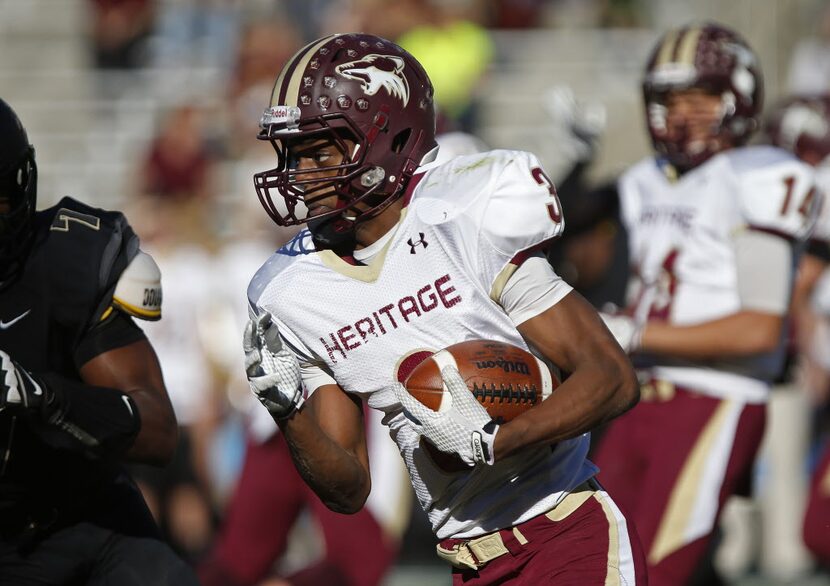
715	228
80	389
801	124
402	257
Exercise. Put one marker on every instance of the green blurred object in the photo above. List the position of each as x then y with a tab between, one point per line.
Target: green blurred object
455	56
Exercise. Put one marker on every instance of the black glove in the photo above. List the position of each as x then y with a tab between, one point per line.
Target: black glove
19	389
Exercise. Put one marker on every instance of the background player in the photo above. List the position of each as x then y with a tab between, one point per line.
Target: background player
81	389
714	230
801	124
401	258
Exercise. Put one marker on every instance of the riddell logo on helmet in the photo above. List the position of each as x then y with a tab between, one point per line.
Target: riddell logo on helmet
378	71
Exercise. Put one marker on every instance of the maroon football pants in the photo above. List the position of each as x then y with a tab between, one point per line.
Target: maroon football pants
817	515
584	541
671	462
269	497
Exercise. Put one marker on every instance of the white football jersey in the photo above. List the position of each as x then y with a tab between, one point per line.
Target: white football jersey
683	254
432	285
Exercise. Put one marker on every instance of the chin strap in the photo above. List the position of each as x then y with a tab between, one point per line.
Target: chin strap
336	234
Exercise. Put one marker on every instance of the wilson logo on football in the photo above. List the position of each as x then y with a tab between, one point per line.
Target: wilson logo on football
506	365
378	71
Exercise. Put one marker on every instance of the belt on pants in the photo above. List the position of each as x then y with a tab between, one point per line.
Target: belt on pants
475	553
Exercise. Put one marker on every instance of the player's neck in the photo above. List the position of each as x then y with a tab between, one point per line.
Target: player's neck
369	232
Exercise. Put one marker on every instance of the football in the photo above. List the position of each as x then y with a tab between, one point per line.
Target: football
506	380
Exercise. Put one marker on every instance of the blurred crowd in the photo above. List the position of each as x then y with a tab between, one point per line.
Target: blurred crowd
208	247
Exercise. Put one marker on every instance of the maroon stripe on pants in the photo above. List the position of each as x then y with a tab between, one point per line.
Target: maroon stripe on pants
817	515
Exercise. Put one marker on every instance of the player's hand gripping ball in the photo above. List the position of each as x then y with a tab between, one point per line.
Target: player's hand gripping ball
506	380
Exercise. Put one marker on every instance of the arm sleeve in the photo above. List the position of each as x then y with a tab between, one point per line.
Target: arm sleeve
314	377
765	265
532	288
820	300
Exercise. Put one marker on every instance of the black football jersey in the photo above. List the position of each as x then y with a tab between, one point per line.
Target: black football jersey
54	317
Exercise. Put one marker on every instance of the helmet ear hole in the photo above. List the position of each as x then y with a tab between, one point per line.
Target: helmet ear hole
400	140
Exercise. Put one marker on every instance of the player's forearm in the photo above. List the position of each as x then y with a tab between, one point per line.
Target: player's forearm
740	334
589	397
156	441
335	474
101	422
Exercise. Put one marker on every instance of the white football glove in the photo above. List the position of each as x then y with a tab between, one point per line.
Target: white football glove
626	330
465	429
273	370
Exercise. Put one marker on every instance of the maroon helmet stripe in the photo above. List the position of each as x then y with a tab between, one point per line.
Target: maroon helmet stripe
687	46
678	42
278	99
667	46
288	83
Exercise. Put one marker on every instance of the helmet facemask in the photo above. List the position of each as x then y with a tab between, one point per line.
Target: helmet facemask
18	199
681	140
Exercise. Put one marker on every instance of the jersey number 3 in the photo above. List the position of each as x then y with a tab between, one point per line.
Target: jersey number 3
553	205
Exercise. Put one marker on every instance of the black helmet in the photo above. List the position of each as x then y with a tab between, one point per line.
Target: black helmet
18	190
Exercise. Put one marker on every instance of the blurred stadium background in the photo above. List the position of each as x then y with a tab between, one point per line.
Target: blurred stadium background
152	106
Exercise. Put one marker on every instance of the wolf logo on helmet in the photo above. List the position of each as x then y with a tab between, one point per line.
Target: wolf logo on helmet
378	71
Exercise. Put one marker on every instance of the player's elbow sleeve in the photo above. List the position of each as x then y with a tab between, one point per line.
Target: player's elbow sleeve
96	421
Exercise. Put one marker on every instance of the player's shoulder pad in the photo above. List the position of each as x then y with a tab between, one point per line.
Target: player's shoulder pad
506	194
102	238
138	290
93	246
776	191
295	249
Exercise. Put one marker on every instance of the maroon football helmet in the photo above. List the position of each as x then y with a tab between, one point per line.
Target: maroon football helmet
353	87
801	125
712	58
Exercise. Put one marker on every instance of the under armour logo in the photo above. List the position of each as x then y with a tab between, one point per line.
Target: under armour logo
419	242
